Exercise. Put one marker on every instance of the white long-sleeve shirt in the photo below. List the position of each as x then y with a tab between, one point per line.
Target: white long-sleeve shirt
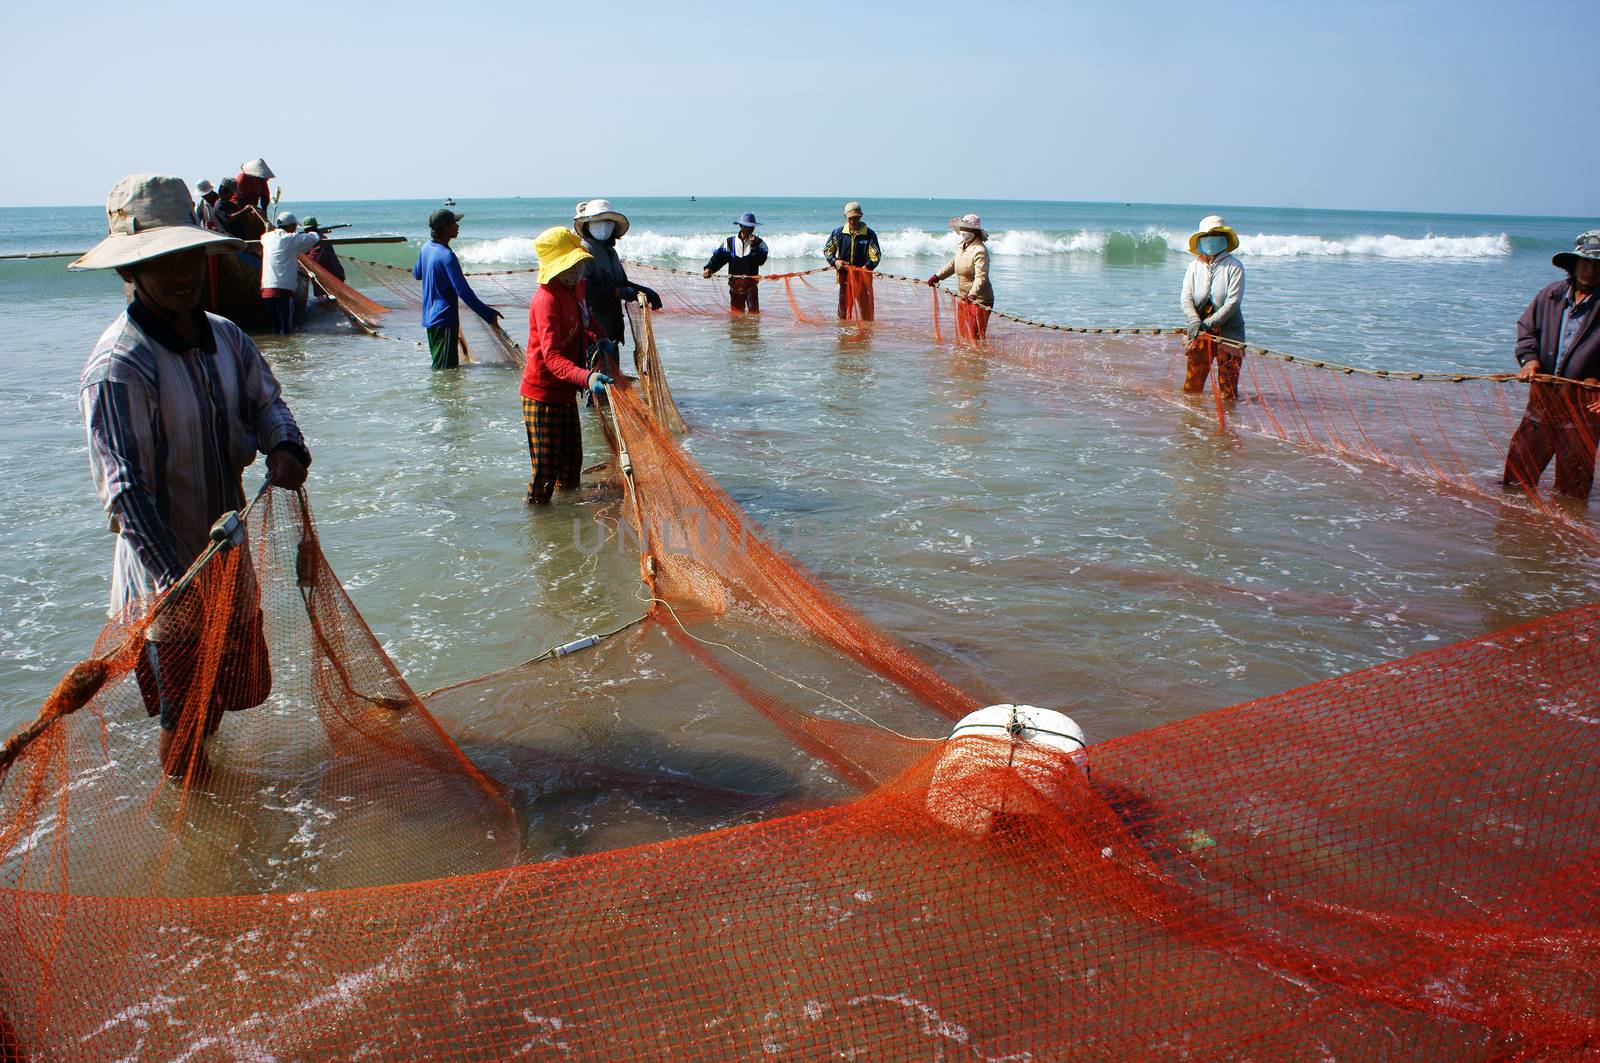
280	257
1221	283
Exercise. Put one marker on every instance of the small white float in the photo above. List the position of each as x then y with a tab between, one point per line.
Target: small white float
990	751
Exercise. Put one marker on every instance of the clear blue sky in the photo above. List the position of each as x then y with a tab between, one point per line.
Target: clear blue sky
1460	106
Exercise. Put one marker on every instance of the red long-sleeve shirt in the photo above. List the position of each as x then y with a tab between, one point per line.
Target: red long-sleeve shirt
253	191
559	331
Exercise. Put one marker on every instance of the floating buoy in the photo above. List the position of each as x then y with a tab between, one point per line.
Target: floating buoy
1013	760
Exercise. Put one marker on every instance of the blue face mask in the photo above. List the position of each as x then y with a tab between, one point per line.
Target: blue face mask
602	230
1212	245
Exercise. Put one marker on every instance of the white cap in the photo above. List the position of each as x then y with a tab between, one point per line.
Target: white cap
287	219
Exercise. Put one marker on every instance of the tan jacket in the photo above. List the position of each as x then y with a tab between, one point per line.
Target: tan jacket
971	270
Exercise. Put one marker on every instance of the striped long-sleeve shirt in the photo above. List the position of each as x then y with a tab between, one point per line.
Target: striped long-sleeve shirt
172	427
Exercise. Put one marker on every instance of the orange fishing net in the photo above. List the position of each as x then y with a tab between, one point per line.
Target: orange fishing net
1401	862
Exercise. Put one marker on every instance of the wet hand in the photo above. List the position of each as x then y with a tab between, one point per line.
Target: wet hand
1529	370
284	470
705	273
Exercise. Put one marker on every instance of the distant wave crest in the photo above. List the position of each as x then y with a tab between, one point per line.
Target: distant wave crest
1019	243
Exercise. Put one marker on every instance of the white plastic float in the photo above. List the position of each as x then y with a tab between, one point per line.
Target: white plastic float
975	779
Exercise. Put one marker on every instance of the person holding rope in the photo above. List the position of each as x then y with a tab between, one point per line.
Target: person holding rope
178	403
281	248
970	268
561	334
444	286
744	254
1557	337
1212	302
600	226
852	250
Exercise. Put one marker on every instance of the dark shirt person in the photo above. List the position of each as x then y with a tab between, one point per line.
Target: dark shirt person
744	253
1557	337
852	250
444	286
230	215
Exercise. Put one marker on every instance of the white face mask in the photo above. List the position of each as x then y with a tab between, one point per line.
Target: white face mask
602	230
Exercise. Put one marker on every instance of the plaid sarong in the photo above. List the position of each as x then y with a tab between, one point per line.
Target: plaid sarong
555	446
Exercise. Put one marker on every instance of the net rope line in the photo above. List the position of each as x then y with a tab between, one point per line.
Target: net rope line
1398	375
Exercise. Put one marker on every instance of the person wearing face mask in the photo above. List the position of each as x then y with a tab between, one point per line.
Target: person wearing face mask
1557	337
744	253
1212	302
560	332
970	268
600	226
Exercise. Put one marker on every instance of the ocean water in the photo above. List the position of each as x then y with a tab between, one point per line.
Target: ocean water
1069	545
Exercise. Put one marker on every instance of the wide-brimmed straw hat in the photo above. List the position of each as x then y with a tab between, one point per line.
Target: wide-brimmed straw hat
257	168
1587	245
970	223
149	216
1212	224
559	249
601	210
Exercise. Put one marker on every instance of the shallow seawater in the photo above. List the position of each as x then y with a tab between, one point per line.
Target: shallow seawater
1067	544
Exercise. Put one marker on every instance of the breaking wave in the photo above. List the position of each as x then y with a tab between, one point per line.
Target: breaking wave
647	245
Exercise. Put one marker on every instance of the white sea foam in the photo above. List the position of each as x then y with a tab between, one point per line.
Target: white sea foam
646	245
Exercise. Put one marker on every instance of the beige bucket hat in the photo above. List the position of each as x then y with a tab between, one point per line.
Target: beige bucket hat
149	216
1212	224
257	168
601	210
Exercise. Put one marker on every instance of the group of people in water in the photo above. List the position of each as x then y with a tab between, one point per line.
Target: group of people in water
178	402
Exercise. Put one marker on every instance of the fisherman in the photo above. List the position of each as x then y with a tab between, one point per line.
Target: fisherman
744	254
253	190
323	254
1212	302
443	284
1557	337
600	226
281	249
178	403
206	205
970	268
561	335
853	245
229	214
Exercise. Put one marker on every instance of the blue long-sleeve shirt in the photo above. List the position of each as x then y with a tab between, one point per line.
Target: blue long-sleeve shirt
442	284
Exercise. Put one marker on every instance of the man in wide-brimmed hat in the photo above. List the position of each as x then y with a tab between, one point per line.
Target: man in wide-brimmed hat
561	332
852	250
444	287
253	189
970	267
178	403
744	253
1557	337
1212	301
600	225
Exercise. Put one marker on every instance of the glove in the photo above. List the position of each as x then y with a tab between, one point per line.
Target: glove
597	384
626	292
933	282
655	300
1194	331
494	316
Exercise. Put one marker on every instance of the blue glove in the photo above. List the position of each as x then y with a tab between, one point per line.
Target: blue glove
597	384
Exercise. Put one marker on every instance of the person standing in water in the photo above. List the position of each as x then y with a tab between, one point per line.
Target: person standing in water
1212	303
281	248
852	250
600	226
1557	337
443	286
744	254
178	403
560	332
970	268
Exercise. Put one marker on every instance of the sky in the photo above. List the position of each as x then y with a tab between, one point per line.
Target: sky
1466	106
